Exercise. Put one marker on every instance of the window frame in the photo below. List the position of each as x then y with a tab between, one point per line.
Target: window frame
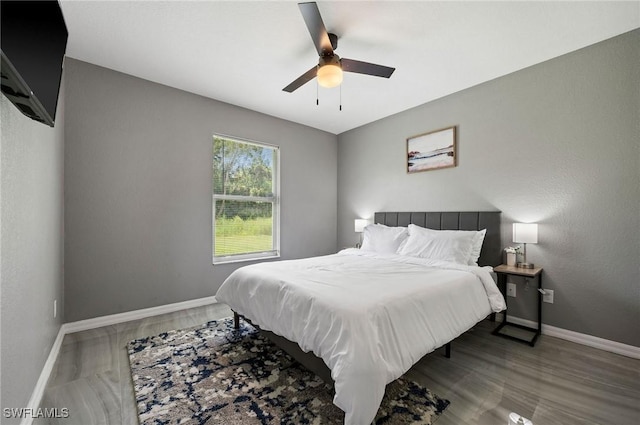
274	199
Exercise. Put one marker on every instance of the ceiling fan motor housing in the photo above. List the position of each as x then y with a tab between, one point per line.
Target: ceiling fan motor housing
331	59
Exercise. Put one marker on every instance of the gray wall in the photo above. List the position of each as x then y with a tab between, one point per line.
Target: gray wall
31	249
138	190
557	143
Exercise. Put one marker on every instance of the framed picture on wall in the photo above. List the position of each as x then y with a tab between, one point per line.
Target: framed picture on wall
432	151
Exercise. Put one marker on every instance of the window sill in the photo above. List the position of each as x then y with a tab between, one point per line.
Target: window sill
243	259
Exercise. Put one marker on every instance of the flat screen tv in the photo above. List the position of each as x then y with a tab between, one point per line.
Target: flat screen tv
34	39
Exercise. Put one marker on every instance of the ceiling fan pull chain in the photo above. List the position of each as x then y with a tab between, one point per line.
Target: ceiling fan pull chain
317	101
341	97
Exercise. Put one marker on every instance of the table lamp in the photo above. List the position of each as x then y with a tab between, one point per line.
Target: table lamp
525	233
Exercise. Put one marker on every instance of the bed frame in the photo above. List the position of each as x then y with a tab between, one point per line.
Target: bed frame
490	255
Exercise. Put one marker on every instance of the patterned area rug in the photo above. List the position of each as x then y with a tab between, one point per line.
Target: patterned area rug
214	374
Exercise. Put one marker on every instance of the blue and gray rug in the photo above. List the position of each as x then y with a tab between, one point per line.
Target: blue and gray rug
214	374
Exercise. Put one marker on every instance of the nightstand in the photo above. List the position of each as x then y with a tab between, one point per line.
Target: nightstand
502	272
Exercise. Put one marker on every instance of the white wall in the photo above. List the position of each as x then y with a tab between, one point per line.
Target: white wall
138	190
31	260
557	143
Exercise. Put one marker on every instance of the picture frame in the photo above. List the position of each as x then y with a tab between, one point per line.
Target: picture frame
432	151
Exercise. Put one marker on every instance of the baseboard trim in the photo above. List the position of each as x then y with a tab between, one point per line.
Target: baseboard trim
97	322
583	339
43	379
113	319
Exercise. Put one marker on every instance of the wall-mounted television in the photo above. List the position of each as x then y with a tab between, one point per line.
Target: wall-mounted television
34	39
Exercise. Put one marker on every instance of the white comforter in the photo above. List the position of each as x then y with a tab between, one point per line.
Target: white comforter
370	317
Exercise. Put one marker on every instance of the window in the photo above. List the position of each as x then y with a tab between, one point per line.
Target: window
245	200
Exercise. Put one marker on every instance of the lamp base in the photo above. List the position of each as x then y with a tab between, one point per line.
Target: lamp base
525	265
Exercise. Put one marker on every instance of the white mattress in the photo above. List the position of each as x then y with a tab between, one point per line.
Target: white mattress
369	316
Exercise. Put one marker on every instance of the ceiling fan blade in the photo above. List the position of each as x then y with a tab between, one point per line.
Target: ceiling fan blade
311	16
302	80
350	65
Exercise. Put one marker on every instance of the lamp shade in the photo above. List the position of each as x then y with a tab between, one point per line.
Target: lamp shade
525	232
360	224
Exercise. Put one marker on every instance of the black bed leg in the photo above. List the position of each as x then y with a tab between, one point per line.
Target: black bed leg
236	320
447	350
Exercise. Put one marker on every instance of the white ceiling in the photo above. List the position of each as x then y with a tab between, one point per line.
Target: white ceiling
244	53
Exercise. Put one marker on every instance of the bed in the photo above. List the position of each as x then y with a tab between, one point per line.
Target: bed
369	314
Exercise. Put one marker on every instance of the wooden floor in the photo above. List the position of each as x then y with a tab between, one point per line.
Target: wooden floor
487	377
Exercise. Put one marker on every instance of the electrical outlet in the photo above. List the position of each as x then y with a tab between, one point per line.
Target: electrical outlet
511	289
55	308
547	297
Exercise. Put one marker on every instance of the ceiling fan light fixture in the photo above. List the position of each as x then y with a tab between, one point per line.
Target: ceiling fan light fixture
330	75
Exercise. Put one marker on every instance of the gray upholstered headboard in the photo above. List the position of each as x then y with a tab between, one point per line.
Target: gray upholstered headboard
491	254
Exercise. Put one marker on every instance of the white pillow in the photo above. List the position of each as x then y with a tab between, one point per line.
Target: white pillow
446	245
383	239
478	239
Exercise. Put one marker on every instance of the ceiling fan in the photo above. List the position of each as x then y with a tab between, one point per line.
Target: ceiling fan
330	66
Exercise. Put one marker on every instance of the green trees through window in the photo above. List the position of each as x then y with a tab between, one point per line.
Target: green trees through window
245	199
